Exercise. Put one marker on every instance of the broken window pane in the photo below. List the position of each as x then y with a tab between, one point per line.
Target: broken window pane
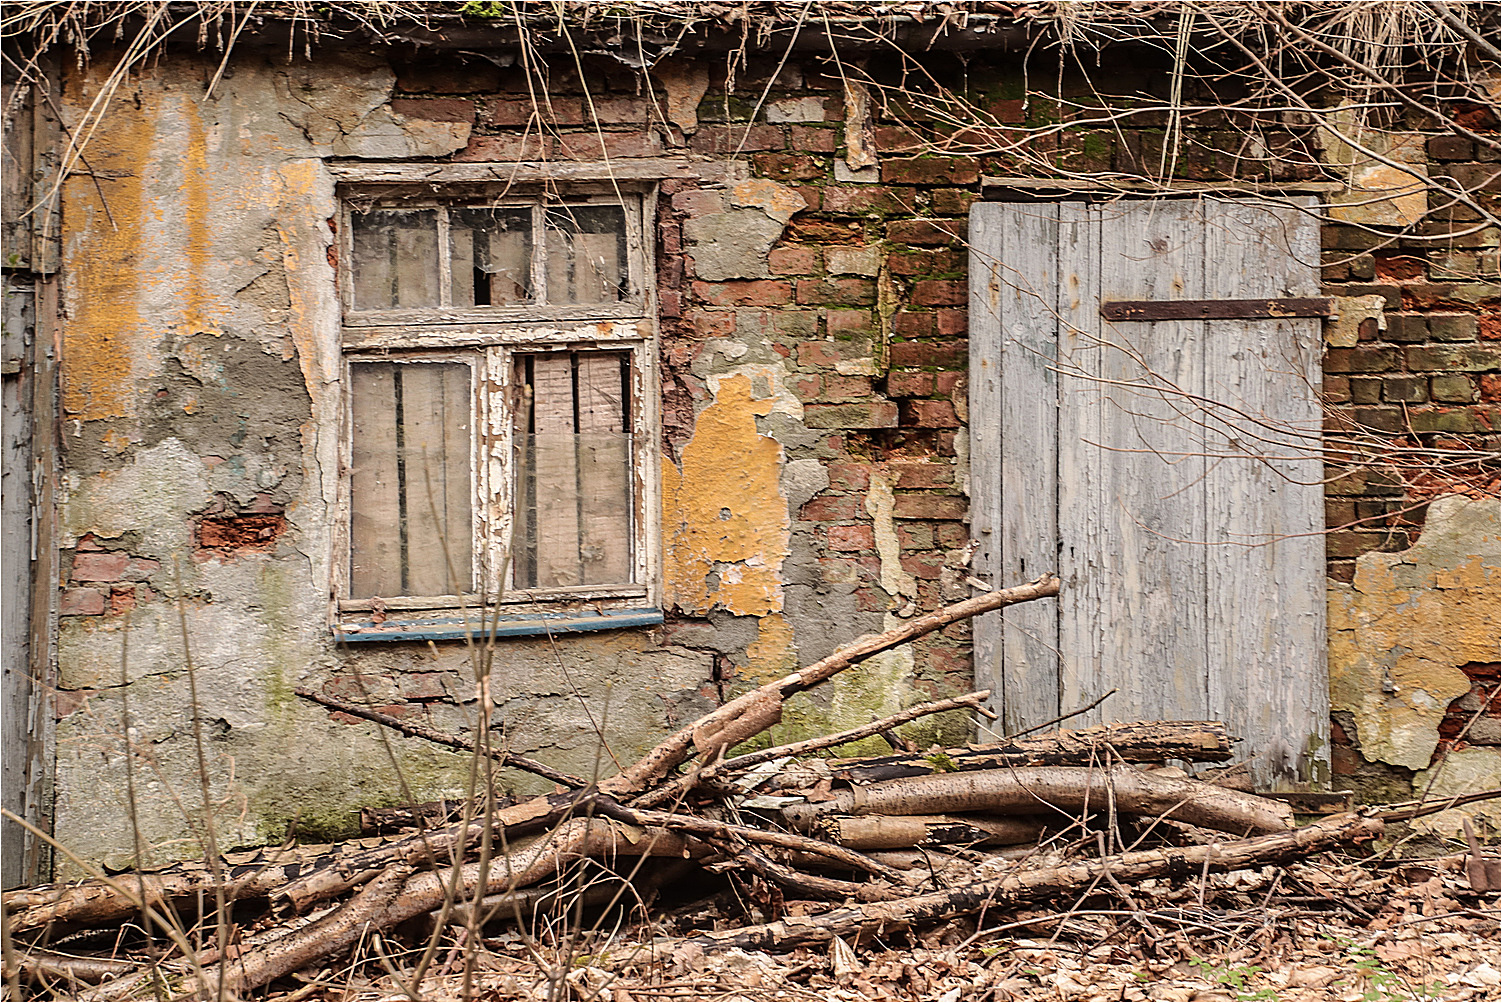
491	256
586	249
573	470
410	498
396	258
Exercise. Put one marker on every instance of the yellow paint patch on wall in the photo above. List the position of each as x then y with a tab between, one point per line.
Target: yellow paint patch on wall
102	215
772	655
1400	632
724	517
139	259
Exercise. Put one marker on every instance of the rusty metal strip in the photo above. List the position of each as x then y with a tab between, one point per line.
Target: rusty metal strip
1149	310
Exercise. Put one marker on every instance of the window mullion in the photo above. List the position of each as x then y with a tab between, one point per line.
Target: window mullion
495	451
539	254
445	266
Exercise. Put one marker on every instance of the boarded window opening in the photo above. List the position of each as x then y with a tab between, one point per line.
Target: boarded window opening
410	494
491	254
586	254
395	259
574	491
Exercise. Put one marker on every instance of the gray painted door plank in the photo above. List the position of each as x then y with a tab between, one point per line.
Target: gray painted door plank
1029	457
1150	503
1082	567
15	559
1265	642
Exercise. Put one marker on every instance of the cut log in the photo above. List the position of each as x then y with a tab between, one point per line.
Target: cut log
896	832
1137	742
1070	789
1033	884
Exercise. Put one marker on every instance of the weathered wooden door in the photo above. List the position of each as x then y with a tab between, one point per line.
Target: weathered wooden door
1168	470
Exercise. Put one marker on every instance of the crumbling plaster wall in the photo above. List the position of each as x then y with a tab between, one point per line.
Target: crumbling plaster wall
1413	660
814	434
201	409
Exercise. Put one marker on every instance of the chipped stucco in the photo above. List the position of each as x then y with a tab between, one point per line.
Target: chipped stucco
1401	630
1463	771
1388	186
734	229
1343	330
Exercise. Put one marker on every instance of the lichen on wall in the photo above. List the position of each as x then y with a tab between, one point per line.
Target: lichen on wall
1401	630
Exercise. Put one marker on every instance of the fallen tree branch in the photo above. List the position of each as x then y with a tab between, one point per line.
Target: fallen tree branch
1140	741
1031	884
442	738
1070	789
752	713
810	885
709	828
1403	811
675	789
32	965
1063	717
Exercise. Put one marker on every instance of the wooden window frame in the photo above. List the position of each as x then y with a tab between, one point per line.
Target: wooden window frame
490	339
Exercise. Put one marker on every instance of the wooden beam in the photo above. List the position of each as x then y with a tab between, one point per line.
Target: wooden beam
1146	310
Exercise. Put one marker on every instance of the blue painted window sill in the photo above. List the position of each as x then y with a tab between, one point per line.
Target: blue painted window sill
524	625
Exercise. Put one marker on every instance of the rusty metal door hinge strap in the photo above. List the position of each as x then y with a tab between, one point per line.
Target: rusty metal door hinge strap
1147	310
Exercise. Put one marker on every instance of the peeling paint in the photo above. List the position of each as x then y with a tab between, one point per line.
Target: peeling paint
723	510
1400	631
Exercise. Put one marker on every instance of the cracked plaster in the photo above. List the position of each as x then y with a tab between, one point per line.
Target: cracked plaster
732	241
1401	630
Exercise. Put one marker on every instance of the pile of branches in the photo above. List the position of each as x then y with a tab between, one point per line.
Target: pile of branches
877	844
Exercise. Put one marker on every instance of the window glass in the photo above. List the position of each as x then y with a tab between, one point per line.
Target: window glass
573	470
490	256
395	259
586	254
410	497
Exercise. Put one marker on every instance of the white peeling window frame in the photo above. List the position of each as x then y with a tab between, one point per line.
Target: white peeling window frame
517	349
